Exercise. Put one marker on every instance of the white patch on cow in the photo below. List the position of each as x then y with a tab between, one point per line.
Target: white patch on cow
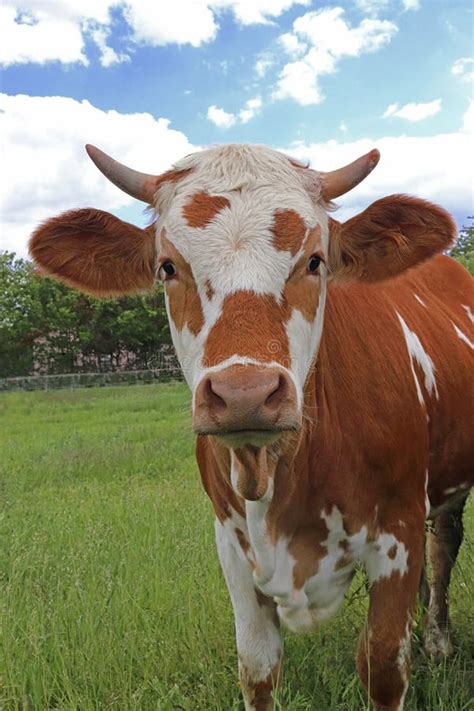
417	353
322	593
263	548
420	300
470	315
304	337
379	564
463	336
258	640
234	476
236	251
403	660
427	498
230	525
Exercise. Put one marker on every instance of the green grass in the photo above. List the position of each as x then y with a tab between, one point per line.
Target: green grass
111	595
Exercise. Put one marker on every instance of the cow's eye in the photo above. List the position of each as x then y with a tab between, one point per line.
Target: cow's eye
313	263
167	270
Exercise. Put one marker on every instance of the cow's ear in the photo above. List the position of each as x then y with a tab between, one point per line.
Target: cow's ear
391	235
95	252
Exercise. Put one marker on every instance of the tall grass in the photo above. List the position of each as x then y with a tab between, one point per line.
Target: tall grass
111	593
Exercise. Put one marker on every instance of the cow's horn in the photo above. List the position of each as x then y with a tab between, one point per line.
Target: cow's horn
138	185
338	182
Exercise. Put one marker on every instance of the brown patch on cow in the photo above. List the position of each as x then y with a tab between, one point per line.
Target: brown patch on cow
302	293
254	468
258	694
95	252
251	325
344	561
167	179
265	601
392	551
201	208
172	176
183	297
307	550
243	542
302	289
288	230
209	290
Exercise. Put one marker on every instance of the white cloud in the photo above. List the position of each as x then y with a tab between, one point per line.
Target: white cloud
252	107
46	170
330	38
108	56
55	30
250	12
374	7
292	45
342	126
220	118
224	119
413	111
263	64
431	167
180	21
39	37
463	69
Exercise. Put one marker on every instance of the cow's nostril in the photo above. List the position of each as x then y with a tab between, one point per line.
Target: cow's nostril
212	399
278	394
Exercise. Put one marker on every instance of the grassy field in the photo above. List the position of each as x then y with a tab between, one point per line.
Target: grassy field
111	596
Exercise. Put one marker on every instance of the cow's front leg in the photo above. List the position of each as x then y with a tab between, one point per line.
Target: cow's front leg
383	659
259	644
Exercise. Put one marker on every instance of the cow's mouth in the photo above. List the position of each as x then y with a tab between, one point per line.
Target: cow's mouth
238	438
244	438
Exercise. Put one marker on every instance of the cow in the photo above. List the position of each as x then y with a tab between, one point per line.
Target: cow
330	366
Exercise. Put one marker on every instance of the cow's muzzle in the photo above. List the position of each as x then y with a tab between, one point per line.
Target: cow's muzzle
246	404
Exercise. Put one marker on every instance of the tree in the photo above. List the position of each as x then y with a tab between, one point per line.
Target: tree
48	327
463	250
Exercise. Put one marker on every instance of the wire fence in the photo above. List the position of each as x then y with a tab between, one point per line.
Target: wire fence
90	380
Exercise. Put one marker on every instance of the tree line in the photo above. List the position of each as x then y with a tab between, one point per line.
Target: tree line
46	327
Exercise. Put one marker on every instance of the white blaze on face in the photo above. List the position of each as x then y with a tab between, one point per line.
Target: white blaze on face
234	250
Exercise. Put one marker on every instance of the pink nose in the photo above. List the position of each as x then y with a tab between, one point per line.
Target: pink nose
245	397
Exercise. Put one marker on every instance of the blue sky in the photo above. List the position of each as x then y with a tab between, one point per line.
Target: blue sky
150	81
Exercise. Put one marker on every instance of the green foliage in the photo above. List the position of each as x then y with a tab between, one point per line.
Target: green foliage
111	595
47	327
463	250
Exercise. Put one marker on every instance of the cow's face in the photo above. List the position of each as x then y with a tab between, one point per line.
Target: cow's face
240	240
242	251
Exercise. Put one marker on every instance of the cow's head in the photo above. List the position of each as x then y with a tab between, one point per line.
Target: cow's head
241	242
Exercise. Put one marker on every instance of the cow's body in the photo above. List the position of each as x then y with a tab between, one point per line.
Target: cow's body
332	418
394	376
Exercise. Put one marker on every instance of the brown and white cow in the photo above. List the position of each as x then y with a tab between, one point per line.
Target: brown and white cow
319	447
